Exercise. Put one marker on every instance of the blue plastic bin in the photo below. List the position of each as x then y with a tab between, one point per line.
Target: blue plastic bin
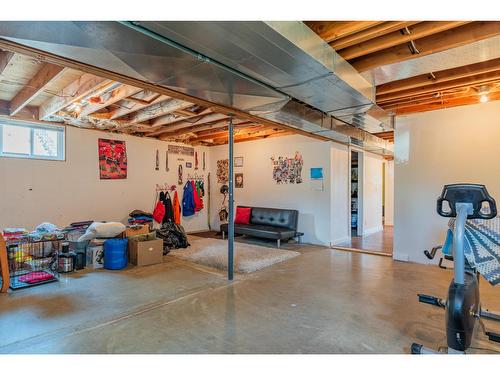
115	253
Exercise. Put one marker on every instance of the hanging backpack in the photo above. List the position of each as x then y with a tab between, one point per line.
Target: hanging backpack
159	212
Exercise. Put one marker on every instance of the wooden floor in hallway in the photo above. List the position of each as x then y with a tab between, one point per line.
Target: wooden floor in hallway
377	242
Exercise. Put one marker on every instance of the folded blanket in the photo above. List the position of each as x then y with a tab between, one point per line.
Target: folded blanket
482	246
136	213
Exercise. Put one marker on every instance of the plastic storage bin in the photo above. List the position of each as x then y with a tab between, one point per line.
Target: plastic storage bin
115	253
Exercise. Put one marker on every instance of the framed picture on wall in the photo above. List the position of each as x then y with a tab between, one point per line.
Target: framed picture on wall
238	180
238	161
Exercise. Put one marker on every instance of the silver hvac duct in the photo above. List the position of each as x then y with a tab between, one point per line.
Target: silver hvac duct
252	66
289	57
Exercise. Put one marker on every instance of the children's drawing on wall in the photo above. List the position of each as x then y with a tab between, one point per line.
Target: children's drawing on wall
112	159
223	171
238	180
288	170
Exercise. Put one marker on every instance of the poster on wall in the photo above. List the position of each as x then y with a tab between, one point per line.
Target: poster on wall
112	159
316	173
238	180
223	171
288	170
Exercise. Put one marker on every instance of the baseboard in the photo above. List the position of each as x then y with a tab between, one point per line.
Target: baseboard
401	257
338	241
370	252
372	230
197	231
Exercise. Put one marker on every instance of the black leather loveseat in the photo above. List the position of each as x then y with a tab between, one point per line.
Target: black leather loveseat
273	223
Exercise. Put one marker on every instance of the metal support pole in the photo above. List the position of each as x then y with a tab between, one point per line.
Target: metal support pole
230	234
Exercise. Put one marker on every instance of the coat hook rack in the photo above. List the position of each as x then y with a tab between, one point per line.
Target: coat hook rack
165	187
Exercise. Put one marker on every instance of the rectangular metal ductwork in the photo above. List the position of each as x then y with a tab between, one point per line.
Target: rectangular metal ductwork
255	67
289	57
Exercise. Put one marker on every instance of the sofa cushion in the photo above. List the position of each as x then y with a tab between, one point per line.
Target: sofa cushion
275	217
243	215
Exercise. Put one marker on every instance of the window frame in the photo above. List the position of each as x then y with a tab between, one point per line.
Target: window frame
61	140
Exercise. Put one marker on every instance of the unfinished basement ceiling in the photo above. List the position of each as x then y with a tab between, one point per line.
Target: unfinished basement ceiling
34	90
103	43
421	65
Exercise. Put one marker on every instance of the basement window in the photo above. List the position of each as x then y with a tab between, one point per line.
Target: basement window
32	141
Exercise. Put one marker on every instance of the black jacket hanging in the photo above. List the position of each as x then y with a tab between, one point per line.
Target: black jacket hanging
169	209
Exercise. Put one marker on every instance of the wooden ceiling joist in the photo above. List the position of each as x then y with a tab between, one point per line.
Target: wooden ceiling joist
48	73
192	129
434	98
370	33
5	59
183	124
388	136
177	117
331	31
452	38
458	83
446	103
26	113
439	77
263	135
417	31
158	110
111	97
86	85
129	105
222	133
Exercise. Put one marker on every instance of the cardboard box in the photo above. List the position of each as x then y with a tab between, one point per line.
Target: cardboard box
130	232
145	253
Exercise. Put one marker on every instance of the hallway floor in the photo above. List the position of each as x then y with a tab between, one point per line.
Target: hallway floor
323	301
381	242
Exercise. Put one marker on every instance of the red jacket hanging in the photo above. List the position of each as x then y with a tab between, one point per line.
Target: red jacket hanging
197	202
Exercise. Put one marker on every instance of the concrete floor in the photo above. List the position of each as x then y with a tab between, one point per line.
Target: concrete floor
323	301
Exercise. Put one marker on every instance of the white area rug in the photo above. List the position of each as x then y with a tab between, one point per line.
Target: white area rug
247	258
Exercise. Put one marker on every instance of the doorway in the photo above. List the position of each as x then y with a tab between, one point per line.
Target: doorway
370	204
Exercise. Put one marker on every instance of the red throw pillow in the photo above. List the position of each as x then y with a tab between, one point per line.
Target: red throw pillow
242	215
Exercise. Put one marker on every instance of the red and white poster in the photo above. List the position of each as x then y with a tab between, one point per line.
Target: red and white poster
112	159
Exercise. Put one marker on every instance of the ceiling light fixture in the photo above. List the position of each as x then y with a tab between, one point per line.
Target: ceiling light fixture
483	92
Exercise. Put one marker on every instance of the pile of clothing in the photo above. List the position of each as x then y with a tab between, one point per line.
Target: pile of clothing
173	236
140	217
168	213
192	199
167	210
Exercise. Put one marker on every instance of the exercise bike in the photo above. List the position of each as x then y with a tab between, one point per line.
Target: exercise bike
463	306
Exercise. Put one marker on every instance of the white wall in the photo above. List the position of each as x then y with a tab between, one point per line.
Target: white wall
340	193
372	193
33	191
261	190
432	149
389	193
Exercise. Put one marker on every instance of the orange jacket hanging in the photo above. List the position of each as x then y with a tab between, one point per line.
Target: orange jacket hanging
177	209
